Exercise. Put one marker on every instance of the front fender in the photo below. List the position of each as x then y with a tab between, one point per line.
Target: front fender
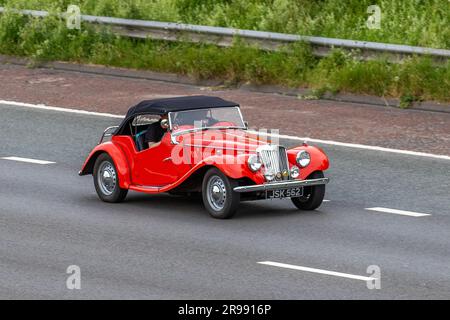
319	160
234	167
118	157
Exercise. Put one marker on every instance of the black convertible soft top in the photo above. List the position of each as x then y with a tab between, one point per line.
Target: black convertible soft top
164	106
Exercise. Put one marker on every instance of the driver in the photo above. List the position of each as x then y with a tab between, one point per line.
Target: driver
155	132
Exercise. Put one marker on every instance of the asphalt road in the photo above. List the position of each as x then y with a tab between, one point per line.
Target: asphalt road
164	247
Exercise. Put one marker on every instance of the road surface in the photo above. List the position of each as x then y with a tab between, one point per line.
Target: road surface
165	247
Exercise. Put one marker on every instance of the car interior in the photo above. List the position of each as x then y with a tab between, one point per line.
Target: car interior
146	131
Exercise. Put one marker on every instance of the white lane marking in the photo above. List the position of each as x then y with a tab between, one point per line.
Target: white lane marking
314	270
27	160
281	136
326	200
400	212
48	108
359	146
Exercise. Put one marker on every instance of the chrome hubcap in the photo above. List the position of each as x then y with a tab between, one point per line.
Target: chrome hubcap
107	178
216	193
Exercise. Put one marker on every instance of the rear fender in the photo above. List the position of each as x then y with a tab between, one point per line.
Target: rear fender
118	158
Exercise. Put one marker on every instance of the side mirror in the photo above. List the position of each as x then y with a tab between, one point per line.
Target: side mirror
246	124
165	124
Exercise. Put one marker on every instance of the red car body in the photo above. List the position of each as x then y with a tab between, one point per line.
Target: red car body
227	150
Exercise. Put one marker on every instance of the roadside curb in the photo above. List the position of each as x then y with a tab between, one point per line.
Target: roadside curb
107	71
305	94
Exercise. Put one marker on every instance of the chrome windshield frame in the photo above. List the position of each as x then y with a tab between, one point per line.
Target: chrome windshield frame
175	134
107	133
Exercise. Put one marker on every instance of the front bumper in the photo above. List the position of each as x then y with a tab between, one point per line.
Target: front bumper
282	185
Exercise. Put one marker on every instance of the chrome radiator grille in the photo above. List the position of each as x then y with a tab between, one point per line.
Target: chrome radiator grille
275	162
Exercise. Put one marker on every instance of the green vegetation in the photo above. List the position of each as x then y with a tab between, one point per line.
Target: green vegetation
414	80
415	22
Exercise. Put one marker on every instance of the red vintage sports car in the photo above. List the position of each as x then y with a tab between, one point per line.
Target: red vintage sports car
201	145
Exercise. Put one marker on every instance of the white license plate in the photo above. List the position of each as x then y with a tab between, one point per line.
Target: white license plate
285	193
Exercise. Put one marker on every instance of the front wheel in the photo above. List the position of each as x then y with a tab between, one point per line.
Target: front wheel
106	180
218	195
312	196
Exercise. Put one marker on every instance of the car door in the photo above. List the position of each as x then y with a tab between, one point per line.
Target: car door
154	166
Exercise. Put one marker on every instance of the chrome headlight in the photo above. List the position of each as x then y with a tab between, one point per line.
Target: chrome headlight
295	172
253	163
303	158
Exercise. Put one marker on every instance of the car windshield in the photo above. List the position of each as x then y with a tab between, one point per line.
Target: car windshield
206	119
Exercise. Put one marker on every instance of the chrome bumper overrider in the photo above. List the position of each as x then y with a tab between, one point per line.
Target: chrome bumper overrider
282	185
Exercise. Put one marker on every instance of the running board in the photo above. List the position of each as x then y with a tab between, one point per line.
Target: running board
147	189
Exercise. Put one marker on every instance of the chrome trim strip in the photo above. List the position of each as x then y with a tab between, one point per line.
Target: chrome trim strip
169	116
242	118
282	185
284	162
173	139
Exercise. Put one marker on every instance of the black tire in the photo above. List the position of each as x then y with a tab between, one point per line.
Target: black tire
115	194
312	196
215	178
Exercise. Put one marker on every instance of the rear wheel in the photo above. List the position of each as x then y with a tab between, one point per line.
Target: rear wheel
218	195
106	180
312	196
